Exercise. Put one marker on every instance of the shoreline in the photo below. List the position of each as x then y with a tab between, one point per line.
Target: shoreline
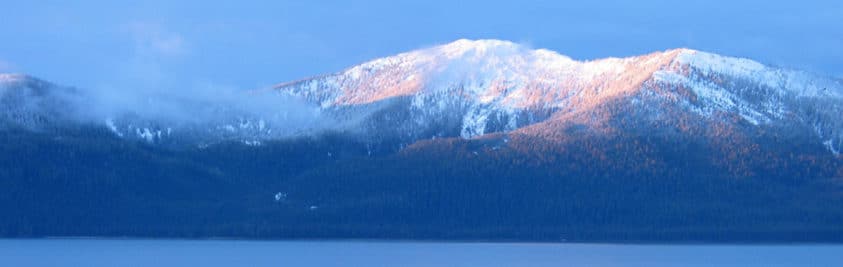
436	241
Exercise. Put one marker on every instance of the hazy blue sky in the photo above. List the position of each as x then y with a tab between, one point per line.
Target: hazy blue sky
247	44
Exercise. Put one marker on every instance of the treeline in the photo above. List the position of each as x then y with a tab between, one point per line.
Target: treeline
618	188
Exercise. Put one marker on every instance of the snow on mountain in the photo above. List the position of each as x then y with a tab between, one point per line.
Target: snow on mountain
488	86
467	88
478	79
719	81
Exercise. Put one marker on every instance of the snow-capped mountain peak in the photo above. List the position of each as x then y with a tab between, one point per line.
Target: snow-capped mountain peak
487	65
489	71
491	86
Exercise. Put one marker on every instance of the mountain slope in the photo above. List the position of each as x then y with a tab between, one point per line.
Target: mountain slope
478	87
470	140
465	89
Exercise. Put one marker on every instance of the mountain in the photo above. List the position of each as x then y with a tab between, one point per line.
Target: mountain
480	139
159	118
471	88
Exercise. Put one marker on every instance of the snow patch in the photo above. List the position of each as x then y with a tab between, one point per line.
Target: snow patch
830	145
145	134
474	123
252	142
709	63
715	98
110	123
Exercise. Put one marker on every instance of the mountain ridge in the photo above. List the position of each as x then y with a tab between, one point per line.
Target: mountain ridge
469	88
503	79
488	141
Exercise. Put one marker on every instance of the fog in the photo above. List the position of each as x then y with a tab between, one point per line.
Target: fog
218	111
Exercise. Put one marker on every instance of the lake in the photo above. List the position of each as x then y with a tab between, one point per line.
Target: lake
205	253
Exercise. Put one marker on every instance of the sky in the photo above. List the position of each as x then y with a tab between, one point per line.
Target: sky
172	45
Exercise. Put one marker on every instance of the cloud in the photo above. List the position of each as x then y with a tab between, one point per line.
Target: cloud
197	106
148	90
154	38
154	53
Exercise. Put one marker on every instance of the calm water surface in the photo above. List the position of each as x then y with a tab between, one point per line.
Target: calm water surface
92	253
